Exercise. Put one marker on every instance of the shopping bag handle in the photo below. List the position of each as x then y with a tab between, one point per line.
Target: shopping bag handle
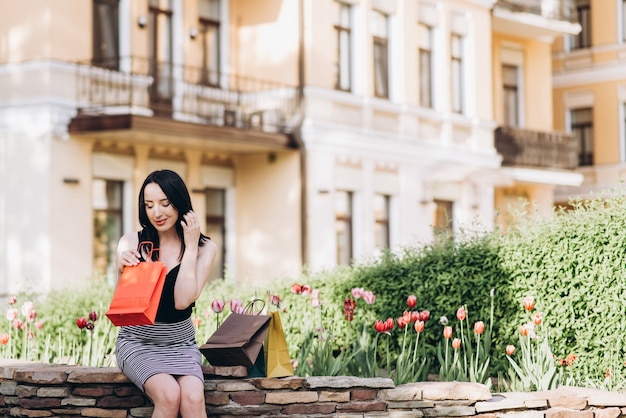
148	246
249	309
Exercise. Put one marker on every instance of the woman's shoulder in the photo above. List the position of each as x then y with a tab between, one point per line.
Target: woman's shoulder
129	240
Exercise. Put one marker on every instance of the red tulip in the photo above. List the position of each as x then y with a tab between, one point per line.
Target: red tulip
93	315
479	327
424	315
419	326
510	349
296	288
4	339
411	301
447	332
529	303
415	316
456	343
401	323
89	326
537	318
461	314
305	289
275	300
389	323
81	322
379	326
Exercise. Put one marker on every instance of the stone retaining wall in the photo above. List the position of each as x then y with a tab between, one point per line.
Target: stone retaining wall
38	390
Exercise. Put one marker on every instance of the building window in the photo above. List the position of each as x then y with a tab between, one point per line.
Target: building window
456	72
582	128
216	228
381	54
343	27
425	35
381	216
209	37
343	223
107	202
106	43
583	11
443	223
160	53
510	94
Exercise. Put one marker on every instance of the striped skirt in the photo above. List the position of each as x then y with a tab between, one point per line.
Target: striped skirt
145	350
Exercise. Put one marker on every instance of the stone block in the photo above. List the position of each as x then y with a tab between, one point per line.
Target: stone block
123	391
363	394
8	388
450	411
331	396
284	398
74	401
309	409
39	403
53	392
24	391
401	393
248	398
402	414
345	382
234	386
216	398
65	412
98	375
115	402
568	413
611	412
93	391
143	412
103	413
290	383
41	375
22	412
441	391
410	404
225	371
361	406
505	401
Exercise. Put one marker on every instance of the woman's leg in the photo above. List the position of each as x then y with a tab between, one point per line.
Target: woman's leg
192	404
165	393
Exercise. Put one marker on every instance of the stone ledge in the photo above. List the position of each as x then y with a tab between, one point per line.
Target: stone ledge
44	390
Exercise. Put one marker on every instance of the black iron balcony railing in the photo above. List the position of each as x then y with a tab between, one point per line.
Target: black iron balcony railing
524	148
147	87
550	9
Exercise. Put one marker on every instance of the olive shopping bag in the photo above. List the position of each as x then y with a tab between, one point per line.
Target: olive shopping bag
277	360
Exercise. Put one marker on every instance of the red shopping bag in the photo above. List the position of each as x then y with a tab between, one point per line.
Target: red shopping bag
138	293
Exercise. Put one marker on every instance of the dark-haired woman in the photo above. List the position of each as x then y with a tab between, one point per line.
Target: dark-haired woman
163	359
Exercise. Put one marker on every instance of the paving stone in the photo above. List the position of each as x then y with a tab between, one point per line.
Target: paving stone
568	413
330	396
234	386
284	398
53	392
292	383
96	375
8	388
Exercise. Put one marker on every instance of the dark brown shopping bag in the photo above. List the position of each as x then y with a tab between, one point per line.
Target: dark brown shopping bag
277	360
138	293
238	341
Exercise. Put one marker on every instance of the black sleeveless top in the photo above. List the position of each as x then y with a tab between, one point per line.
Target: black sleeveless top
167	311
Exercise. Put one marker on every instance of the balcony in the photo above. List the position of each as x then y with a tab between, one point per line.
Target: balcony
142	87
535	149
536	19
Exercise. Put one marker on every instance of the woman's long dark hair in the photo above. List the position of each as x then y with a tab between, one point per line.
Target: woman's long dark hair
176	192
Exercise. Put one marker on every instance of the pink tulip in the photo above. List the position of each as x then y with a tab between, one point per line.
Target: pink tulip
456	343
217	305
235	305
11	314
529	303
479	327
369	297
357	292
447	332
411	301
461	314
296	288
510	349
419	326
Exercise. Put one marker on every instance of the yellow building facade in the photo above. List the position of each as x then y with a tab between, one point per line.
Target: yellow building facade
309	132
590	95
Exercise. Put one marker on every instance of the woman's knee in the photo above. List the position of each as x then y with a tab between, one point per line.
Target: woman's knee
164	392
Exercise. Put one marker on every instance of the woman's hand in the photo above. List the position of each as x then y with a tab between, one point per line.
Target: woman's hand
191	228
129	258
